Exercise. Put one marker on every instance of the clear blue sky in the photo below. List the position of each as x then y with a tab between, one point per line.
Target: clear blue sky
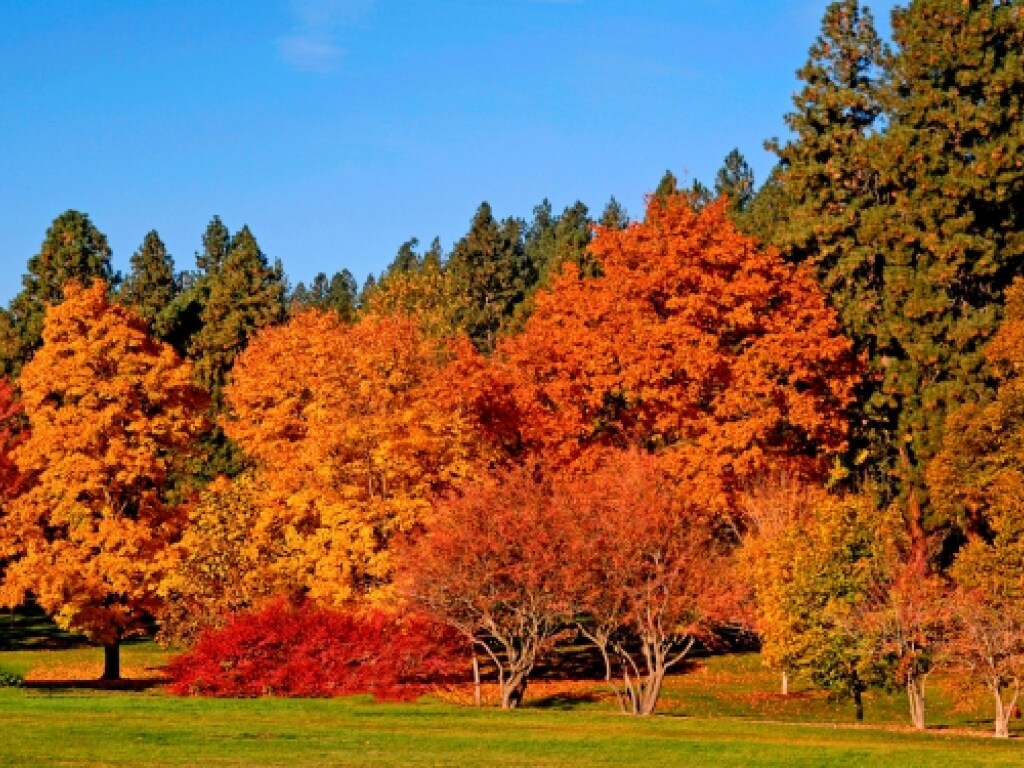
337	129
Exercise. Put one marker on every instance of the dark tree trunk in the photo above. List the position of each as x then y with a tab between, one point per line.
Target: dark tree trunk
112	661
858	702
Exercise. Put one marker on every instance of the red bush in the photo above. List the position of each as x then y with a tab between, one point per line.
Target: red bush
306	650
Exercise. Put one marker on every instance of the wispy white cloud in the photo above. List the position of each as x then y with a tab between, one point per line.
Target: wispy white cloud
312	45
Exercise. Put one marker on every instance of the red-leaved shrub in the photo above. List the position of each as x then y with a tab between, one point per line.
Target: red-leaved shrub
307	650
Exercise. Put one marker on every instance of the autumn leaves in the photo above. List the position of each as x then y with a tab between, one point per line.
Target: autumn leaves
583	471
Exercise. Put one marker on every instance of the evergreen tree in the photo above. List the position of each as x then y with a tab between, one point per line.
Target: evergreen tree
489	275
823	170
614	216
183	318
245	294
150	287
667	186
551	241
735	179
337	293
950	229
73	249
406	260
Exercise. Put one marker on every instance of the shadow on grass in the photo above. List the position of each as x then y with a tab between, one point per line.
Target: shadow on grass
28	628
563	701
134	686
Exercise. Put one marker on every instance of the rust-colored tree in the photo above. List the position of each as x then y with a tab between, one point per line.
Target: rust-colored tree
110	411
645	567
489	564
348	442
693	341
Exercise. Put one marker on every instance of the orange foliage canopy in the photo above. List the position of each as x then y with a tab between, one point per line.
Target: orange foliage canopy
110	410
348	441
694	341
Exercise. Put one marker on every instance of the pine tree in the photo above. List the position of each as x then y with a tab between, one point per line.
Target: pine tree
183	318
490	276
951	226
735	179
613	216
246	293
667	186
73	250
151	286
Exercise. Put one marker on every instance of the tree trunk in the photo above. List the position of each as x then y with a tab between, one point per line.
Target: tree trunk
1002	717
513	690
1004	711
858	703
915	695
478	698
112	661
651	691
785	683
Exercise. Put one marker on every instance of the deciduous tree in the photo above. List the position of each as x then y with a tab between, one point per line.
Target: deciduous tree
348	440
693	341
90	534
645	567
489	564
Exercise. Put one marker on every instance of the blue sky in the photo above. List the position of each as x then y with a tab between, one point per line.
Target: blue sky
337	129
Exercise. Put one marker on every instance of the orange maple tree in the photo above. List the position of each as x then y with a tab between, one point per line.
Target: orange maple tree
110	411
348	441
693	341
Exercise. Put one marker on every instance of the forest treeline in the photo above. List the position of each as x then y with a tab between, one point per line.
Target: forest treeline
792	411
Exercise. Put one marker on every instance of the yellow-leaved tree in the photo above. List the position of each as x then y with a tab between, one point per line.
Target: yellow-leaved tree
110	411
349	443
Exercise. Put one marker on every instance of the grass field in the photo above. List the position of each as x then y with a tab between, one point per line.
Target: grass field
722	711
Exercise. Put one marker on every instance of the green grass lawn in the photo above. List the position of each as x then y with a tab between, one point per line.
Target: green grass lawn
721	711
124	729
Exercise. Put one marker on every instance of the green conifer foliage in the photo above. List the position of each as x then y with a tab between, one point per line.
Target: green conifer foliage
735	179
150	287
73	249
950	229
489	276
245	294
614	215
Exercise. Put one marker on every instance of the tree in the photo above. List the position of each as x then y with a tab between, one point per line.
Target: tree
13	432
692	341
773	507
613	216
490	276
339	293
245	295
735	180
349	441
988	639
977	479
952	189
425	291
224	562
834	558
488	565
645	568
151	286
73	249
90	534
